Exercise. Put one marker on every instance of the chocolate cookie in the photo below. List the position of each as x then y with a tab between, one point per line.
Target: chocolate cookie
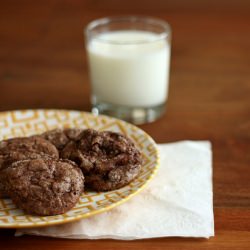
108	160
60	137
44	186
22	148
3	193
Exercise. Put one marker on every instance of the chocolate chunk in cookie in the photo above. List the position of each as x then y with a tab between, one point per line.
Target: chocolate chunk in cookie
108	160
44	186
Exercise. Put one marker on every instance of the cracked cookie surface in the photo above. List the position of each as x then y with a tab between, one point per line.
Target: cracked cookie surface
60	137
107	159
44	186
22	148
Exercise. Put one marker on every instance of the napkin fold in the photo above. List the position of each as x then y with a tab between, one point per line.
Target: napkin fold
177	202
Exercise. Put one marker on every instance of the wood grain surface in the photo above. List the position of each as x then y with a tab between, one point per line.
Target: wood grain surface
43	65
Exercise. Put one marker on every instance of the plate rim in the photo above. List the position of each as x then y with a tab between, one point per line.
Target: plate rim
101	210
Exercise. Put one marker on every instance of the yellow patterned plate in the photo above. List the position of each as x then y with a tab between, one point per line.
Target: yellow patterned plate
28	122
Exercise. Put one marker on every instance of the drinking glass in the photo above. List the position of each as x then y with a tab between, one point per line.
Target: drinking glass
129	62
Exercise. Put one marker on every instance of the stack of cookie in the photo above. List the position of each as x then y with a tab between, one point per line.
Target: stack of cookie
46	174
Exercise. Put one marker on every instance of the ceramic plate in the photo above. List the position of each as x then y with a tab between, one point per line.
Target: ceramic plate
28	122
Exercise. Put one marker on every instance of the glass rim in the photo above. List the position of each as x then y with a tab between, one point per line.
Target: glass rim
132	19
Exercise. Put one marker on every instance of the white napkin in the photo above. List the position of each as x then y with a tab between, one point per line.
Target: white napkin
177	202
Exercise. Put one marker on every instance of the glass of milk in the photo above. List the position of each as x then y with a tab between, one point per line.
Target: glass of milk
129	62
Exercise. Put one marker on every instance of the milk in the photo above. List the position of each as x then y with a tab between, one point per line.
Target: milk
129	68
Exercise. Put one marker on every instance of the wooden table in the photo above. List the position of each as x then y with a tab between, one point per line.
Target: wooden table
43	65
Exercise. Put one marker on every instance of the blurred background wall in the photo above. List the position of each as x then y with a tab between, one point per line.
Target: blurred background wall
42	47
